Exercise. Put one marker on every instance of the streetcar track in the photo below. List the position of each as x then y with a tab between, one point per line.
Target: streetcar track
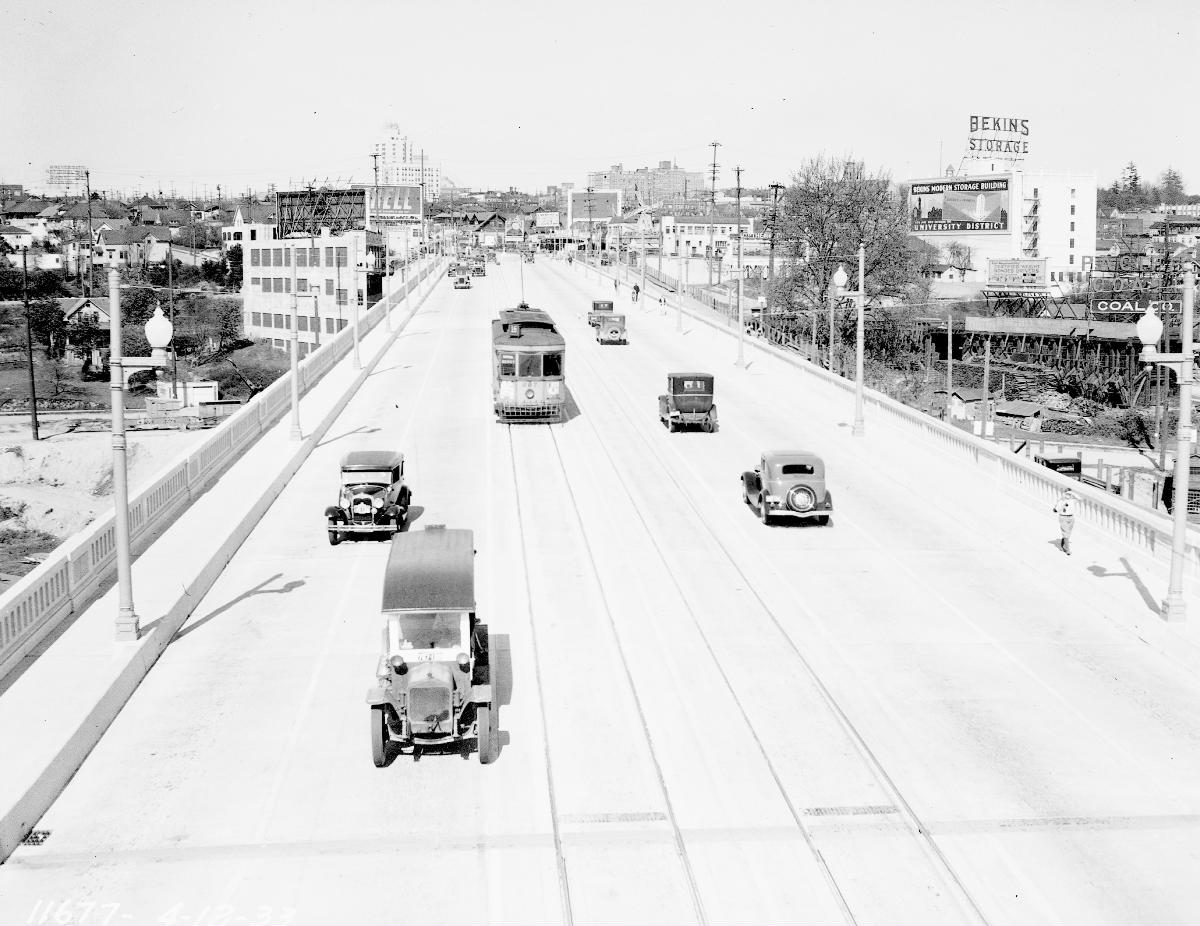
564	885
677	835
872	762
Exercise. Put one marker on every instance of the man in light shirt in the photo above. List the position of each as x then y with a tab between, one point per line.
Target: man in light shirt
1065	509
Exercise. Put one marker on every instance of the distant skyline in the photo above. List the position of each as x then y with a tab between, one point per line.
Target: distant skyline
538	93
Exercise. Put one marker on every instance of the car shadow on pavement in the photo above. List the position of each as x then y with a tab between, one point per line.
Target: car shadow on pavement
414	512
1101	573
259	589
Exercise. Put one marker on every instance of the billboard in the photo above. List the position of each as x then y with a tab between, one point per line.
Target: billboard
955	206
1017	274
546	220
393	205
599	205
66	174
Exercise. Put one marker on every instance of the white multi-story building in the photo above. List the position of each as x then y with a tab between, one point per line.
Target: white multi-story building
1010	214
327	273
693	235
400	164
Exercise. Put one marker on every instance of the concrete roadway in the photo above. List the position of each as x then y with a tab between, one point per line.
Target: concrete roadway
922	713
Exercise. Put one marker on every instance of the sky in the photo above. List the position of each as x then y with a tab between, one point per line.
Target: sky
528	93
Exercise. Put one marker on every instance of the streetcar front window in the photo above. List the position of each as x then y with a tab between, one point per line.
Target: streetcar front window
508	365
530	365
552	364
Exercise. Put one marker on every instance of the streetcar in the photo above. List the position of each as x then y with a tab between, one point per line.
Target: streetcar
528	357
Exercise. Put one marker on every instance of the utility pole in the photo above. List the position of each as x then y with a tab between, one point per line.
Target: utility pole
775	189
712	211
741	361
375	159
87	176
29	341
171	312
590	190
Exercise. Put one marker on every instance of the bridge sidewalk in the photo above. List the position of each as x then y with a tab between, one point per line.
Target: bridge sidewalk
76	682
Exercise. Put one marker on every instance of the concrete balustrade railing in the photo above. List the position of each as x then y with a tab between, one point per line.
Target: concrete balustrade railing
1148	532
79	569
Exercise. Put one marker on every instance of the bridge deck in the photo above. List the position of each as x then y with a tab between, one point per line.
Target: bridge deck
923	712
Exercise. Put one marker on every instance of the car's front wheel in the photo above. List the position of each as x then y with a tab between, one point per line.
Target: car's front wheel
823	520
485	742
764	513
335	537
379	735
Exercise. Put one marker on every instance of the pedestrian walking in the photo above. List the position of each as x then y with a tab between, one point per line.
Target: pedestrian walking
662	305
636	292
1065	509
616	287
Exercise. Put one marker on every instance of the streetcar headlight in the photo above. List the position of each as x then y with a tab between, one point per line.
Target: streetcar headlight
529	393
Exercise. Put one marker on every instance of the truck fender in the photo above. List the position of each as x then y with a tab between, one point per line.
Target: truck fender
334	513
481	694
377	696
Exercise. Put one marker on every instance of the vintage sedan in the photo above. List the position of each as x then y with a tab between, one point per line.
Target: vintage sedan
432	682
373	498
788	482
602	309
688	402
462	281
611	330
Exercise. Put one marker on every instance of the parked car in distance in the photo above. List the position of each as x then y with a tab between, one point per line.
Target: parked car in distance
373	498
611	330
462	281
788	482
432	681
688	402
479	268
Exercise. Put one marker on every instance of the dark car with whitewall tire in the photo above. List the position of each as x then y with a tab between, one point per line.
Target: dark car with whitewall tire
373	499
788	482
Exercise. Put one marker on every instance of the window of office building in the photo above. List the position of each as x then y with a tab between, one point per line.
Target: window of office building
256	318
329	326
302	285
341	297
315	324
302	257
1071	260
341	323
287	256
278	320
360	297
341	257
254	258
253	281
266	284
279	342
1072	245
266	257
278	258
1072	210
303	345
287	284
1072	226
314	257
329	287
277	284
253	234
301	322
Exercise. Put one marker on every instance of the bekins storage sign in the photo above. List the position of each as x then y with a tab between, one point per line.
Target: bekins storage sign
998	136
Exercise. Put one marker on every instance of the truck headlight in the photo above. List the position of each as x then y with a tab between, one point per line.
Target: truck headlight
398	665
464	662
377	501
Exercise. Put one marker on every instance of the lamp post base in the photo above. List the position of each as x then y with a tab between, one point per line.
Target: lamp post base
1174	608
859	430
127	626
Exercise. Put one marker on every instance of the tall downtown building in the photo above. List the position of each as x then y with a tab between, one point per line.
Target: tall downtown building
400	163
